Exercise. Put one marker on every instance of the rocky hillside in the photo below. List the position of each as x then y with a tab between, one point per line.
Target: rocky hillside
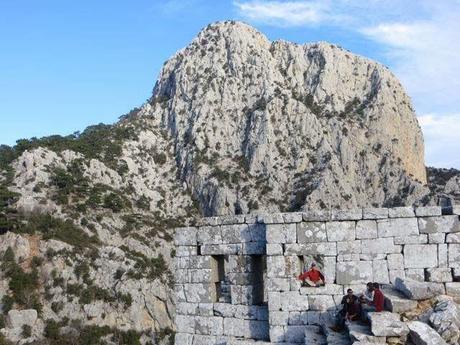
235	124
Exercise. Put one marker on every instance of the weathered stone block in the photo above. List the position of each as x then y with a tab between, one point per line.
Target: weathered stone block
351	257
375	213
366	229
437	238
442	255
352	214
422	334
418	290
277	334
184	308
439	275
454	255
320	302
316	215
453	238
224	309
397	227
274	249
185	250
414	239
20	318
183	276
294	334
251	329
281	233
327	289
297	318
199	293
401	212
235	233
340	231
185	324
453	289
308	232
293	301
394	274
209	235
349	247
417	274
395	262
279	318
221	249
311	249
274	218
183	339
420	255
209	325
200	275
426	211
242	294
354	272
185	236
253	248
370	257
276	266
278	284
378	246
380	271
209	221
292	217
386	324
442	224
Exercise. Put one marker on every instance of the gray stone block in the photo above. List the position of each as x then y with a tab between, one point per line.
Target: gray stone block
441	224
366	229
294	334
453	238
274	249
254	248
414	239
185	324
311	249
209	325
422	334
352	214
375	213
329	269
278	284
235	233
395	261
221	249
279	318
380	271
349	247
327	289
453	289
297	318
443	260
308	232
185	236
454	255
401	212
243	294
420	255
185	251
292	217
378	246
386	324
209	235
351	257
370	257
316	215
184	308
354	272
397	227
209	221
418	290
417	274
321	302
224	309
200	275
293	301
281	233
183	339
199	293
394	274
426	211
274	218
341	231
277	334
251	329
439	275
233	219
437	238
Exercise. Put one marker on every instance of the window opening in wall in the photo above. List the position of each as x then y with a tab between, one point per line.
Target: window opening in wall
221	285
259	272
302	267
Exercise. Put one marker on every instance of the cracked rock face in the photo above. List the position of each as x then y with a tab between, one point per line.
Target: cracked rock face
284	125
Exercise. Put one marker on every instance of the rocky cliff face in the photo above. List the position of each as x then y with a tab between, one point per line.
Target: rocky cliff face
236	124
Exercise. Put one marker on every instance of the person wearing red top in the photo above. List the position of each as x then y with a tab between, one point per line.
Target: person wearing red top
312	277
379	299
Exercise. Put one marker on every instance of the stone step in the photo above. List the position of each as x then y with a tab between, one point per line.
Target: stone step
387	324
335	338
359	332
398	303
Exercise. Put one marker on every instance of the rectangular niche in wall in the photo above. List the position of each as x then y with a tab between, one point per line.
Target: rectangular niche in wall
259	271
222	287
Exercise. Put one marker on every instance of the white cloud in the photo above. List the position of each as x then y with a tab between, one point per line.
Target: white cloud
442	139
284	13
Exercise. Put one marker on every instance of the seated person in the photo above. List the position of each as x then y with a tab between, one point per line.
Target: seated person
368	294
312	277
377	303
351	309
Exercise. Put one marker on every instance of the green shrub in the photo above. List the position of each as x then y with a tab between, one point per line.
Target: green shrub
126	337
26	331
8	303
2	321
51	329
114	202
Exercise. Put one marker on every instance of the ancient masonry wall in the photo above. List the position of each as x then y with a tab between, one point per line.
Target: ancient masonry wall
236	275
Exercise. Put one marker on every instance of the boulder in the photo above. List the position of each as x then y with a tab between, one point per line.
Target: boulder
445	319
387	324
18	318
422	334
418	290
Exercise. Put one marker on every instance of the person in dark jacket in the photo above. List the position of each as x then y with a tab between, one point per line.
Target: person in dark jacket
351	310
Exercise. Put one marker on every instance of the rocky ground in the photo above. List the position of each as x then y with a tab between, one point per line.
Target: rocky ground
235	124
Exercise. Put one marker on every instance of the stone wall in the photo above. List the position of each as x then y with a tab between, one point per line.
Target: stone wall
351	247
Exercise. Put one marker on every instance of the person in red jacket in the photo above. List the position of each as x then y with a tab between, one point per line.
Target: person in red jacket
312	277
379	299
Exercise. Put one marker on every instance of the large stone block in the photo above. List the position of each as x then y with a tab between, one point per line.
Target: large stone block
387	324
453	238
453	289
329	269
224	309
366	229
209	235
378	246
414	239
250	329
183	339
442	224
375	213
442	255
327	289
394	274
276	266
273	218
232	219
292	217
349	247
293	301
185	236
426	211
321	302
352	214
254	248
294	334
297	318
186	250
420	255
221	249
212	325
354	272
274	249
277	334
422	334
19	318
417	274
316	215
341	231
243	294
278	284
311	249
418	290
454	255
279	318
185	324
199	293
200	275
395	261
437	238
235	233
439	275
281	233
380	271
401	212
397	227
308	232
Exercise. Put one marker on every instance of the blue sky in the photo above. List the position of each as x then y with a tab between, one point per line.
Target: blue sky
67	64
